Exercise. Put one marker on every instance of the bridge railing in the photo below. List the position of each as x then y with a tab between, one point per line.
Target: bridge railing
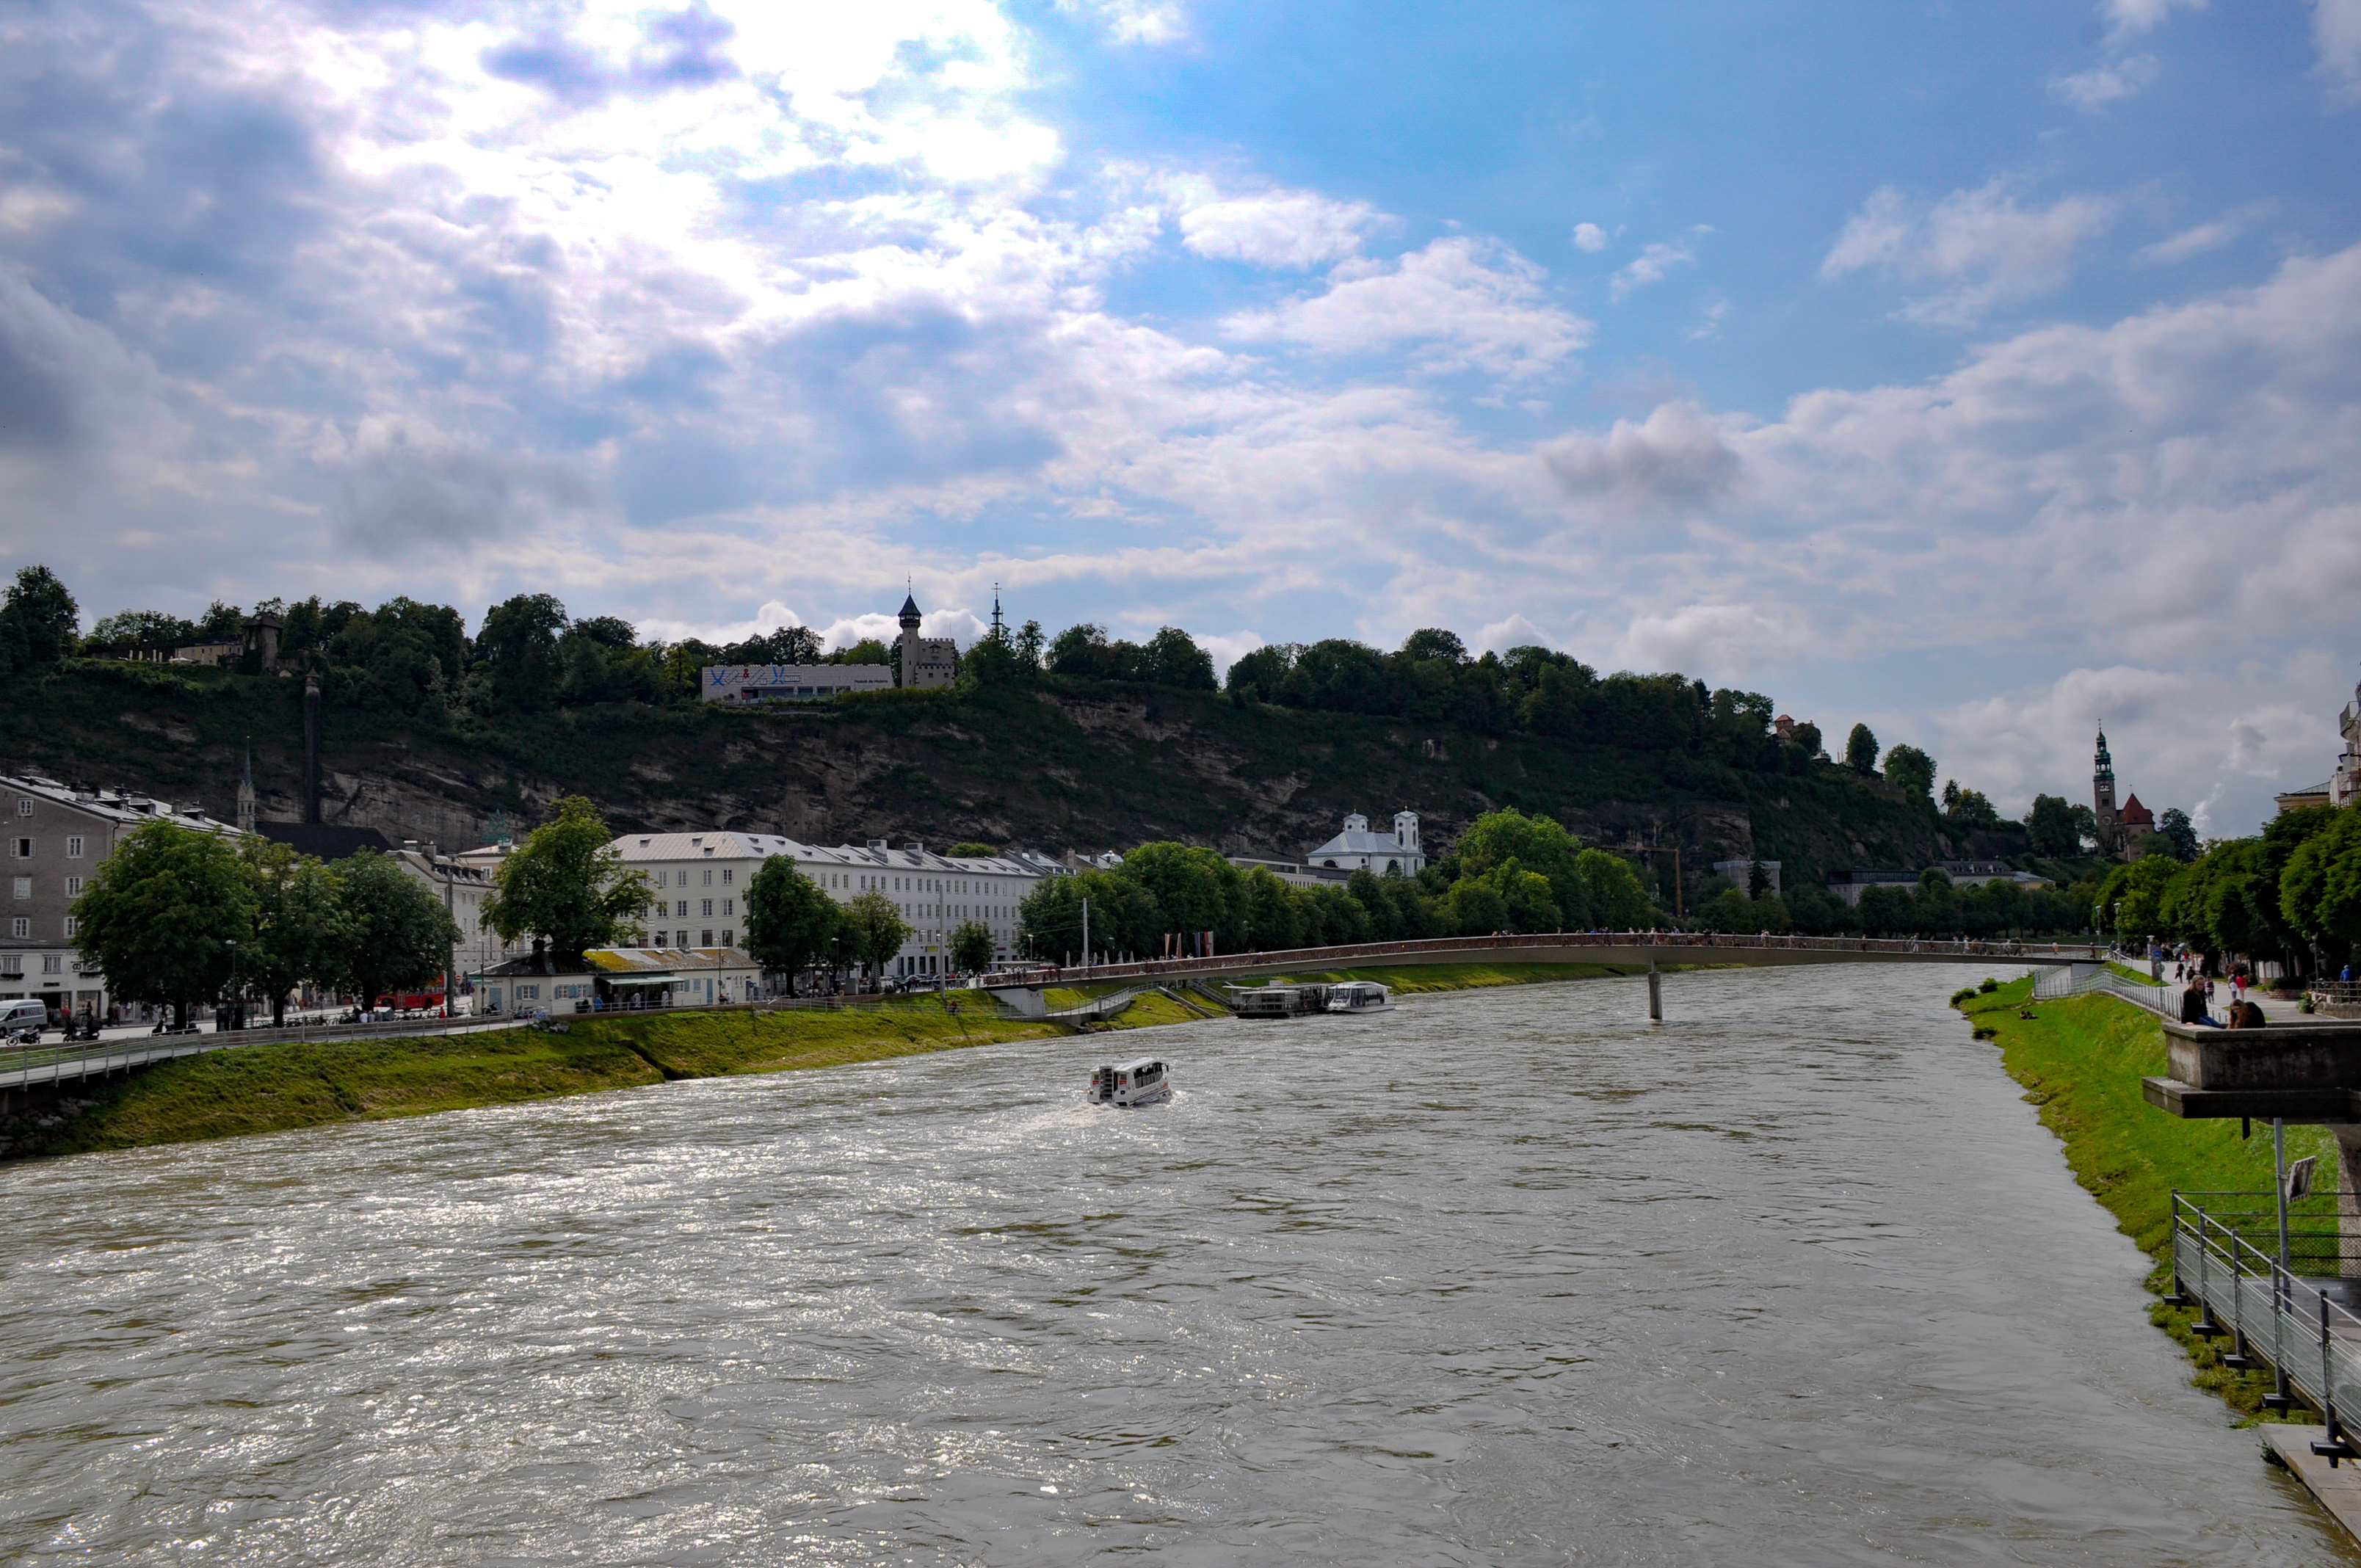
1478	947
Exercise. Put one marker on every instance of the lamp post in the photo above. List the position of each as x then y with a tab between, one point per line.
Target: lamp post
235	1020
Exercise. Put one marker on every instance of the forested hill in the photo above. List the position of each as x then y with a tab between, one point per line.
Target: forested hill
1051	762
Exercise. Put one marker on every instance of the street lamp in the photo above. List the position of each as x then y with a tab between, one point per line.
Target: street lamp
235	1020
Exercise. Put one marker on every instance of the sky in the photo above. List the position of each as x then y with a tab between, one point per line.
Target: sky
1983	373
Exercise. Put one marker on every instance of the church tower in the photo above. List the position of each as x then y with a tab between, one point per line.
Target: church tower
924	661
246	794
2103	792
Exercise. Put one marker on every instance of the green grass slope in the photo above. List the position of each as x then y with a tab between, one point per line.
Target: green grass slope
2080	1061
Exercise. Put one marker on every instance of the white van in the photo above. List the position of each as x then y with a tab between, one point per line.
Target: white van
25	1013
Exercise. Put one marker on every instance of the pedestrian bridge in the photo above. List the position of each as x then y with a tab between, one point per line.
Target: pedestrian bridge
1634	950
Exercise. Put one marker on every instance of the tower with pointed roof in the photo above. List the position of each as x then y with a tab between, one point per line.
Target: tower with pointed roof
246	794
922	660
2103	792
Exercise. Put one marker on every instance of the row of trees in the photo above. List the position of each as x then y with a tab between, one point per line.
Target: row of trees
2290	894
175	916
1509	872
1934	907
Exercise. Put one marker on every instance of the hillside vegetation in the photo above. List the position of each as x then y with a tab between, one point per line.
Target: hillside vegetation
1053	762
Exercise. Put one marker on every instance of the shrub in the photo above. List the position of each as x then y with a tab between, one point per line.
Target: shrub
1989	984
1965	993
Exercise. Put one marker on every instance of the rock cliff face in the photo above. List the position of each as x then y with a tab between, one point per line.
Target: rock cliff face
1088	768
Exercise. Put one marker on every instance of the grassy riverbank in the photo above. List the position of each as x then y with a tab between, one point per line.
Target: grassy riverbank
264	1088
2081	1060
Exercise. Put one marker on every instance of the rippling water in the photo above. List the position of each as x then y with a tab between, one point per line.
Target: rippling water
1499	1277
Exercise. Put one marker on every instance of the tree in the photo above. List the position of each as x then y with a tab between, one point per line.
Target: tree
2320	891
1619	902
972	947
2049	827
1538	846
1194	890
38	620
1861	750
2175	829
1805	738
164	916
567	889
789	919
2132	900
1911	771
1123	915
395	934
518	647
299	922
874	930
971	851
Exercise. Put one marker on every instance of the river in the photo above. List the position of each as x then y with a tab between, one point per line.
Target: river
1502	1277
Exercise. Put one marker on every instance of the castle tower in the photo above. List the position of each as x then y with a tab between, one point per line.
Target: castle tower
2103	792
246	794
922	660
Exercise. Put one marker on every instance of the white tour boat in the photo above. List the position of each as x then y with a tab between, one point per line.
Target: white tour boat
1359	996
1141	1082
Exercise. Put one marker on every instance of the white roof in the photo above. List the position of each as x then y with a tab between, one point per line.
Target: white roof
735	846
1353	841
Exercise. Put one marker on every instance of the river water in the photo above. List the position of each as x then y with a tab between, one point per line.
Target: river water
1502	1277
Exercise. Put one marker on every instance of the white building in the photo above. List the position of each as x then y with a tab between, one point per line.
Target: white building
2344	785
57	836
699	880
1357	849
792	683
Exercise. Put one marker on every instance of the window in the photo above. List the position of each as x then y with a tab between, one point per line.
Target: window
708	940
21	847
708	910
681	909
24	887
73	849
20	927
528	994
660	879
729	906
70	927
725	876
708	876
24	805
729	939
663	938
73	887
53	963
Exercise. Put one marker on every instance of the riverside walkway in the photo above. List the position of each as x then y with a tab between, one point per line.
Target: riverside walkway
38	1067
1636	950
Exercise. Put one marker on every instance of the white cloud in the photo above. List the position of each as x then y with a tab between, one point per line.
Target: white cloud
762	623
1720	642
1710	321
1468	304
1228	647
1589	237
1277	229
2103	84
2336	29
1677	453
1133	21
2191	242
2127	18
1978	247
1513	631
1648	266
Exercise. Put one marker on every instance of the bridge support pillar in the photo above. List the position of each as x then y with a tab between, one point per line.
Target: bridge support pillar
1655	995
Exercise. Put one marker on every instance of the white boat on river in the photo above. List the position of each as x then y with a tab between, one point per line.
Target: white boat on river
1142	1082
1360	996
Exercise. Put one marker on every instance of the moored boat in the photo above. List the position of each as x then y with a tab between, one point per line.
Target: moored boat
1360	996
1144	1082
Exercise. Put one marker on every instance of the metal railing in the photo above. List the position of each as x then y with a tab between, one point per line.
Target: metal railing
2053	984
2295	1317
27	1067
1647	943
